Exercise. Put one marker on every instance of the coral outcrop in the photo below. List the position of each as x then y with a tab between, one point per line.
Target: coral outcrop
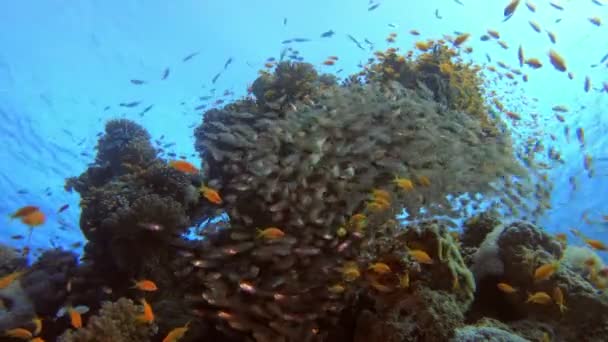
116	322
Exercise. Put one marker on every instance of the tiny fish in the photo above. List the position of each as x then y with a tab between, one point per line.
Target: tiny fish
556	6
138	82
285	21
214	79
130	104
176	334
506	288
531	6
552	37
354	40
437	14
545	271
539	298
558	297
147	109
510	9
227	63
520	56
373	7
580	135
165	74
301	40
557	61
420	256
596	21
380	268
145	285
327	34
190	56
535	26
587	84
63	208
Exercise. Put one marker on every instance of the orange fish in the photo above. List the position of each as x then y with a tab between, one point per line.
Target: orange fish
350	271
148	315
506	288
211	195
404	183
75	318
558	297
34	219
37	339
539	298
270	233
177	333
461	39
494	34
596	244
420	256
557	61
24	211
8	279
19	333
545	271
336	289
37	325
183	166
145	285
380	268
423	46
424	181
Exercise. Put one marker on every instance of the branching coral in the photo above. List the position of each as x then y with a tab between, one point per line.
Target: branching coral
116	322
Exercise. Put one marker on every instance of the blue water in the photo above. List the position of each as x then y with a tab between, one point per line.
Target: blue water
63	62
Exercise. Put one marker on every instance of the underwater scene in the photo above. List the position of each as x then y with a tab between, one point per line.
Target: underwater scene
356	171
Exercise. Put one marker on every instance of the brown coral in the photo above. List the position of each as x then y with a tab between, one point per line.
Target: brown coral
115	322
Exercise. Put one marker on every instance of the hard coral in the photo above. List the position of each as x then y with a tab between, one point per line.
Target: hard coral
115	322
46	280
451	81
289	82
309	170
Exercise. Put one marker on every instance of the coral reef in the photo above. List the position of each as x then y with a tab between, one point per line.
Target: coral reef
132	203
46	280
116	322
295	210
512	253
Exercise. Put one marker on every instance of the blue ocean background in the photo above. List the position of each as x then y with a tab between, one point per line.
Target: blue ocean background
62	63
